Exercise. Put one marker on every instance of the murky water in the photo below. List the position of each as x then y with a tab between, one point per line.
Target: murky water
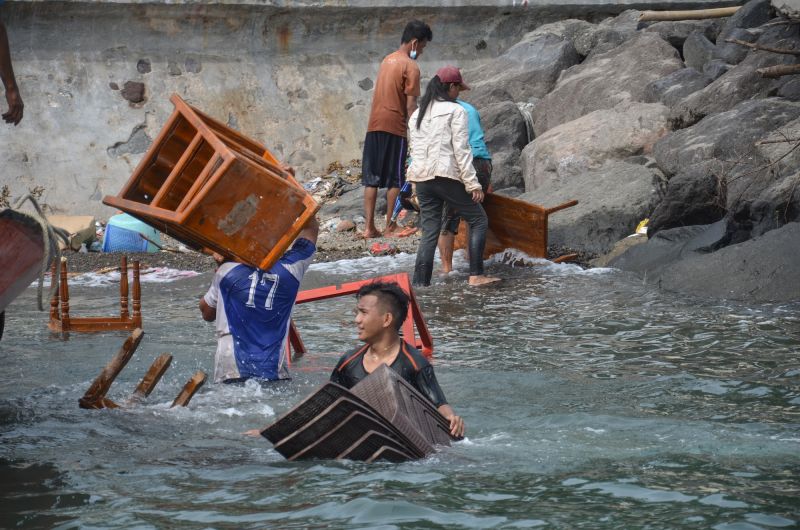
591	401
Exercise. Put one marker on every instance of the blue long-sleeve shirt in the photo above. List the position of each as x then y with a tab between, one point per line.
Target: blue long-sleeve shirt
476	141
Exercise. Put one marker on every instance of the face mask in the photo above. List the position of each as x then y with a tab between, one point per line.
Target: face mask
413	53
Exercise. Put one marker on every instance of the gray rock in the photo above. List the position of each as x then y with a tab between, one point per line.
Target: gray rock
675	86
676	32
764	269
606	80
619	248
485	95
528	69
738	84
579	32
351	203
787	8
661	251
612	200
365	84
133	91
698	50
751	15
790	90
695	197
587	143
731	52
714	69
506	134
143	66
509	192
725	138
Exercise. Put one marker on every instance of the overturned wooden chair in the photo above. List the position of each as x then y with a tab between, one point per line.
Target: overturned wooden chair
61	321
95	396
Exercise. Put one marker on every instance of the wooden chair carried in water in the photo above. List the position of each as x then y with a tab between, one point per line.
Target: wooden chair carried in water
61	321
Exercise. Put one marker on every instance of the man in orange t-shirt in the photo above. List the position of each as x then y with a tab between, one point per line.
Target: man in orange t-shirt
383	164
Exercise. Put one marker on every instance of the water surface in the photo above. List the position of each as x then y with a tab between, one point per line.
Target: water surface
591	401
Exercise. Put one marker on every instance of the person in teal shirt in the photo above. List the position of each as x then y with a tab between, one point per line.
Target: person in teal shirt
482	162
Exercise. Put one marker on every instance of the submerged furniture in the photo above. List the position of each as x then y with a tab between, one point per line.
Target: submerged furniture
380	418
513	224
414	329
212	188
95	396
61	321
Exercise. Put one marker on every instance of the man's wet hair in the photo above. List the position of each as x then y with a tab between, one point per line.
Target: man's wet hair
391	296
416	29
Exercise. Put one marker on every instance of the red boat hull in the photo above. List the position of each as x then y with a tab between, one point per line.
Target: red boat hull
21	253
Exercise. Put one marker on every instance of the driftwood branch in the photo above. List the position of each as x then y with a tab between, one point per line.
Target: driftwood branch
782	141
773	72
763	48
694	14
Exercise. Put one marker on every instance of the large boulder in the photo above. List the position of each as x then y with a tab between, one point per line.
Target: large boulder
506	134
529	69
696	197
675	86
764	269
579	32
756	179
612	200
650	260
605	80
586	143
740	83
787	8
610	33
768	196
676	32
698	50
751	15
723	139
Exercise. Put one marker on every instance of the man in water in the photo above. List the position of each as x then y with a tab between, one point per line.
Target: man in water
382	308
253	321
393	101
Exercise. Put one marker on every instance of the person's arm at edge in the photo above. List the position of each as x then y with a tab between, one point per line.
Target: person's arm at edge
310	231
456	422
209	313
15	105
411	105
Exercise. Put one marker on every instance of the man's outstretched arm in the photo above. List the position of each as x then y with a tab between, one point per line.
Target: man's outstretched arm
15	106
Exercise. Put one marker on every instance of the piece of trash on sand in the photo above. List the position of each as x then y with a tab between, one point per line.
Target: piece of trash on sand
383	249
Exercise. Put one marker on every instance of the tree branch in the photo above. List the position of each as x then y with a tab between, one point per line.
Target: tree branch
763	48
773	72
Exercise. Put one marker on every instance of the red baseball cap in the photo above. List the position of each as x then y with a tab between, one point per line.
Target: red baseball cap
451	74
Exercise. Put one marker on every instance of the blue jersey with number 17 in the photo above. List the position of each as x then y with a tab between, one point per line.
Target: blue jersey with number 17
257	306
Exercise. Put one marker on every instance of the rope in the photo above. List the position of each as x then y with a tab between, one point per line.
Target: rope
50	237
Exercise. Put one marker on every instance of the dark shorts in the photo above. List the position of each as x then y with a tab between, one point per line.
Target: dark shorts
383	164
450	218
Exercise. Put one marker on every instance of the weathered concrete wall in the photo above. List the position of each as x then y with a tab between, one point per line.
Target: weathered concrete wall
298	79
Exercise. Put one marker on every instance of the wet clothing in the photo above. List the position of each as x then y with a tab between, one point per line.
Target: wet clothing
451	217
410	364
383	164
398	77
253	319
433	196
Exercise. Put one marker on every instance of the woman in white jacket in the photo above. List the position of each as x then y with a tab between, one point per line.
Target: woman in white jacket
442	172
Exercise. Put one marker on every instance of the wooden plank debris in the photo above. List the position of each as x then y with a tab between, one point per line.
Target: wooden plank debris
190	389
691	14
94	398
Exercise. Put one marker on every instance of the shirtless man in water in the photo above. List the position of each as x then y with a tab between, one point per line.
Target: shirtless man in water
382	308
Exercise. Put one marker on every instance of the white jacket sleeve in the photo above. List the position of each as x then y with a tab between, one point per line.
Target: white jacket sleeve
462	150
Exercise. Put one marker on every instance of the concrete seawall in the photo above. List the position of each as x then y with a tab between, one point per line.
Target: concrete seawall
297	78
